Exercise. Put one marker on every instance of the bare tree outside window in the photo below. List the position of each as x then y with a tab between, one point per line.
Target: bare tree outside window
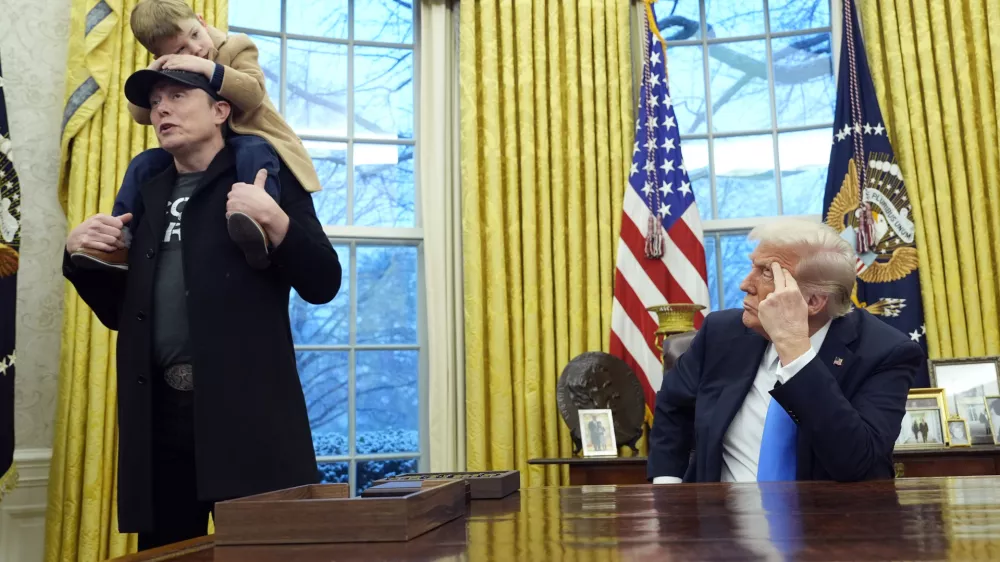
752	85
342	74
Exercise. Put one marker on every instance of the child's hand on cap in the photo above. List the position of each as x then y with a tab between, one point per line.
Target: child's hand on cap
157	64
189	63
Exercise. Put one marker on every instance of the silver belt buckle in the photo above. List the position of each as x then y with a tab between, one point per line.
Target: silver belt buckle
179	377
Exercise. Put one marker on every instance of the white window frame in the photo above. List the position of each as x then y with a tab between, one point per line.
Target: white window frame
360	236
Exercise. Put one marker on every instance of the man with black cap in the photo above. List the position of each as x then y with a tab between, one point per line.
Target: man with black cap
209	400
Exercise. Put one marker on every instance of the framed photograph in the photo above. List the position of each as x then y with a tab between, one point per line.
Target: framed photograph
958	433
597	431
922	428
926	398
993	413
966	383
924	402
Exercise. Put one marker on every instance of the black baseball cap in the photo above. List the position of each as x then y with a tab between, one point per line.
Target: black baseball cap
140	85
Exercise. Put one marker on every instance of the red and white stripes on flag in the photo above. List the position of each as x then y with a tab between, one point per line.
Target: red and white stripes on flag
659	187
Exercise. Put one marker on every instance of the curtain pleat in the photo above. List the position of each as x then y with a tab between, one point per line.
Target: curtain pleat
936	66
546	101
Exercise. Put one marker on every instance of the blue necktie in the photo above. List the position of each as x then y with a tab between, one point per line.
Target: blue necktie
777	446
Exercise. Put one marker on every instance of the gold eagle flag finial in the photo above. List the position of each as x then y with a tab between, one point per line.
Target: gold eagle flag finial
893	255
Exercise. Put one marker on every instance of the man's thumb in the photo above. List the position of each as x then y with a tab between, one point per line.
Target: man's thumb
126	218
261	178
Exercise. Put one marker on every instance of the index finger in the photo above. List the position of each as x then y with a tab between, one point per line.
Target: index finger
790	281
778	276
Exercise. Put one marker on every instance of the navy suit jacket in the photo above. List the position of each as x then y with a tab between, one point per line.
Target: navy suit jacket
848	402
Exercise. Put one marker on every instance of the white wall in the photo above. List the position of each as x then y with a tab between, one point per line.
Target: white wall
33	53
33	43
22	513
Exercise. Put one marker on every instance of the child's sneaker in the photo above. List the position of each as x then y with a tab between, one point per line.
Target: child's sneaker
98	260
251	238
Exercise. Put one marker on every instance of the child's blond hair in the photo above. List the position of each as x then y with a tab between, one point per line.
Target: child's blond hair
155	20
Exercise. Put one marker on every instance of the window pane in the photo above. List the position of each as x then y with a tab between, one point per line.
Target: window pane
324	382
744	177
686	66
370	471
734	18
678	20
387	401
803	158
317	88
325	324
383	185
735	266
387	295
330	161
323	18
333	473
791	15
387	21
804	92
741	99
696	160
269	56
713	270
255	14
383	93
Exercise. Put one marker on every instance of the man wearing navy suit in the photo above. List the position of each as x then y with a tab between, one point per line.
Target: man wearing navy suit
796	386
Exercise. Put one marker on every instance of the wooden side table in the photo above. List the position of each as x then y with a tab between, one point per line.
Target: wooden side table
978	460
595	471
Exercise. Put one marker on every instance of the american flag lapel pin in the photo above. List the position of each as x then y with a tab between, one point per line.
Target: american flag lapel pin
838	361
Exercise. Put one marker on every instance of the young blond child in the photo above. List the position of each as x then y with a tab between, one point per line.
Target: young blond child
182	41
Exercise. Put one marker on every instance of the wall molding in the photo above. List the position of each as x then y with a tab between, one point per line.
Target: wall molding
22	513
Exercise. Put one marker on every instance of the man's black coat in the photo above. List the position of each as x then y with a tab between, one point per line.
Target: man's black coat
252	430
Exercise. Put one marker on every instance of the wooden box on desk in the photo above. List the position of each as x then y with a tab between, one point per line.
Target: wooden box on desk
486	485
324	513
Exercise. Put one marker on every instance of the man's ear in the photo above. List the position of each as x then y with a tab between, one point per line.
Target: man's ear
201	20
222	110
817	303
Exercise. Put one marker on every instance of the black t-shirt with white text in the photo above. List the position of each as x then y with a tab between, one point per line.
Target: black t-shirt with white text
171	338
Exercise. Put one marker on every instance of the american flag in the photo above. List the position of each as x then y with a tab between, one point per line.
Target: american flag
661	256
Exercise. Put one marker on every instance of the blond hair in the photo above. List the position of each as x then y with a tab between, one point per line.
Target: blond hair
827	263
155	20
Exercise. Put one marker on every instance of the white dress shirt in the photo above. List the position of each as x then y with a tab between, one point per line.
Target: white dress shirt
741	444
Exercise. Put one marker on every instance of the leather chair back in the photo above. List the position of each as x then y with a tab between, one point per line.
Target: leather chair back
675	346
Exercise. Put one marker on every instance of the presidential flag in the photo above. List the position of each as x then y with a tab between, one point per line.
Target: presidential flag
661	256
866	198
10	242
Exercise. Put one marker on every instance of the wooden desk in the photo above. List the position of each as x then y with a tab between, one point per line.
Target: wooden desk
980	460
906	519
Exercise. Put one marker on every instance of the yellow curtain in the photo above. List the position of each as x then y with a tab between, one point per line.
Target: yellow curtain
546	112
98	140
936	67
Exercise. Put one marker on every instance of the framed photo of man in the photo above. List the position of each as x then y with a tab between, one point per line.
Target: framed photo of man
597	431
967	382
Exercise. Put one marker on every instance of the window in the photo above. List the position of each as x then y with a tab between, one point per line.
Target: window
752	84
342	73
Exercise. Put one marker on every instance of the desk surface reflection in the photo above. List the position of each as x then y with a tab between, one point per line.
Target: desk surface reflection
906	519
